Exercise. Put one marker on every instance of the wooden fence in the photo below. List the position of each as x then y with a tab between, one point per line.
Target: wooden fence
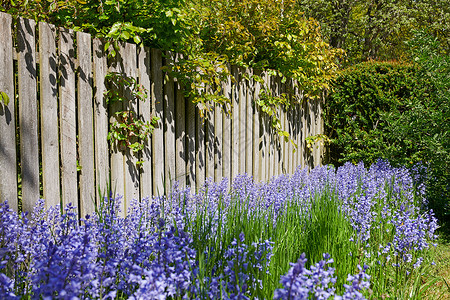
58	118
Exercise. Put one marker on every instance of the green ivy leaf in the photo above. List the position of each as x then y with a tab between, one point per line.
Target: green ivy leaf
4	98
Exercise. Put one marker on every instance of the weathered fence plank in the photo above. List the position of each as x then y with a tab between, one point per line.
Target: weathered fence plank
158	134
101	149
258	157
8	168
48	66
180	136
200	153
85	124
242	115
130	168
218	143
191	144
145	110
169	125
209	144
249	124
235	125
117	149
226	148
28	113
68	134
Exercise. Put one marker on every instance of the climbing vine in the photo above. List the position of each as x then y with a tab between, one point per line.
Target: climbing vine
128	131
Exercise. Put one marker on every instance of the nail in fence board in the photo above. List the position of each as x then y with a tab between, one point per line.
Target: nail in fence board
28	113
180	136
85	125
169	126
130	170
145	113
100	120
48	66
158	134
8	170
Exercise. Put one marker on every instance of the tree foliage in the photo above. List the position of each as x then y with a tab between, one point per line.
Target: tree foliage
378	29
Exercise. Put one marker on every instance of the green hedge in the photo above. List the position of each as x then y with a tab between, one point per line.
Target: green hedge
354	111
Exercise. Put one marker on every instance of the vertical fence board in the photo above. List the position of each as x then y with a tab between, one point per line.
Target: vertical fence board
158	111
180	136
28	113
209	148
145	109
49	114
218	143
169	126
226	148
130	168
101	149
249	125
200	165
190	130
85	124
321	129
258	173
68	134
116	154
235	125
8	168
242	115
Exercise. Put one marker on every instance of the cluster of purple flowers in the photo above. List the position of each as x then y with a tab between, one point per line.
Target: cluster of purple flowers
318	282
150	254
54	255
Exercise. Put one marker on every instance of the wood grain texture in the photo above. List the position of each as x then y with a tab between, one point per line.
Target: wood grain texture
235	132
226	147
101	147
67	114
85	125
210	132
8	167
191	144
131	171
145	111
249	124
242	116
180	136
200	154
28	113
218	143
258	172
158	134
117	151
169	125
48	66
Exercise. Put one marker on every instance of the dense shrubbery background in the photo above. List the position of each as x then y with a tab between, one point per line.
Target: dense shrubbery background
399	112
